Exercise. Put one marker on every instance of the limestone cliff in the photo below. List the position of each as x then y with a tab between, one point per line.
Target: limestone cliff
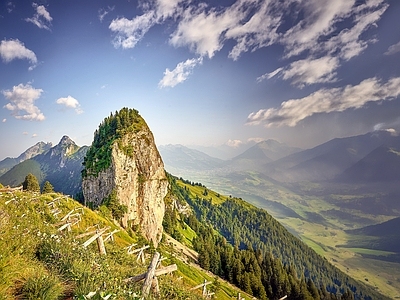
133	168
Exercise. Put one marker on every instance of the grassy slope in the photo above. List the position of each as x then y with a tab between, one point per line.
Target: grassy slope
39	261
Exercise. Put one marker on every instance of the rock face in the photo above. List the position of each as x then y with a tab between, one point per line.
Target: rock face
137	176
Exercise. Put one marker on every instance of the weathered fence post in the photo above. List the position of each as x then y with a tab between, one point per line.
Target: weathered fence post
150	275
100	244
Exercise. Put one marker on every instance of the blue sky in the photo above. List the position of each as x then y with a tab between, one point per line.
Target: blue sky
298	71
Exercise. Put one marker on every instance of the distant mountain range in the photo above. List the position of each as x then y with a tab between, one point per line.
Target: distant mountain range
181	157
364	170
330	160
370	157
60	165
9	162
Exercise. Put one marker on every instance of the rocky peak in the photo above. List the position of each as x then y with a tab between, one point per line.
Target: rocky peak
64	148
124	159
36	149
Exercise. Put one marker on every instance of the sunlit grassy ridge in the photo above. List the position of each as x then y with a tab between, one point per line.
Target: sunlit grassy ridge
38	261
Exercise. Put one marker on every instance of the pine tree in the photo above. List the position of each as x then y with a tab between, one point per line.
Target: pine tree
31	183
47	188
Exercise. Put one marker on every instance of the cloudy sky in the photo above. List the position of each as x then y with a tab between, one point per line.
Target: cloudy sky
298	71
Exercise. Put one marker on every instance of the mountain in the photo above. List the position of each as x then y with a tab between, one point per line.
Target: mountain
61	165
181	160
270	150
181	157
388	228
380	165
9	162
260	154
382	237
329	159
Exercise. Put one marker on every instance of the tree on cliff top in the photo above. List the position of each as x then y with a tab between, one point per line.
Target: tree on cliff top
113	127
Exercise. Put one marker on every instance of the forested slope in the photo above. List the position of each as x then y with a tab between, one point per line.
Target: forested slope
248	247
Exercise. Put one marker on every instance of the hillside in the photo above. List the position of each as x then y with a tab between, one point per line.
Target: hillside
252	231
305	192
42	259
383	238
61	165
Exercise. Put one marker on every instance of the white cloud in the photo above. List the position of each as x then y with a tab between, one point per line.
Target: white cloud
14	49
257	27
166	8
180	73
4	120
320	20
34	135
307	71
41	18
10	7
348	41
104	12
70	102
269	75
310	71
392	131
234	143
326	100
130	32
393	49
202	30
255	140
326	33
25	133
22	102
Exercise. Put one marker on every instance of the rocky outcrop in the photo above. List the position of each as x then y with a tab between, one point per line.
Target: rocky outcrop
137	175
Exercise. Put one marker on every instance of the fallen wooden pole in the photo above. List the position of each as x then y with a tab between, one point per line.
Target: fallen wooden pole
91	240
158	272
201	285
111	235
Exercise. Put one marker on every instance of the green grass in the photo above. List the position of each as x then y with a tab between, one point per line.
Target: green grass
315	246
371	252
37	261
188	234
199	191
